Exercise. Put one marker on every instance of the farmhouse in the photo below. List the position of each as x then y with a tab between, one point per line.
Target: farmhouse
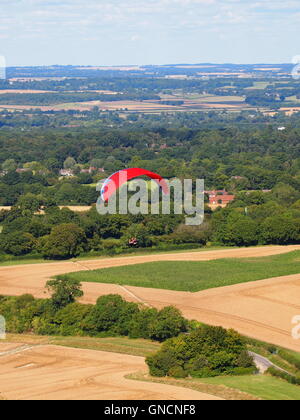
66	172
22	170
219	198
91	169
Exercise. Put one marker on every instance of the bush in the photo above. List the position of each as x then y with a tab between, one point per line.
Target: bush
141	325
178	372
111	314
244	360
65	241
280	230
206	351
189	235
240	371
17	243
169	323
161	363
283	375
112	246
272	349
292	360
70	319
137	237
19	312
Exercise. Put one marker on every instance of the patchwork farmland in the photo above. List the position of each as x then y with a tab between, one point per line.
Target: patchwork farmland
261	309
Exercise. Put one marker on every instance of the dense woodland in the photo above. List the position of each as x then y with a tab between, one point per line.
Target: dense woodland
260	166
198	351
250	154
72	121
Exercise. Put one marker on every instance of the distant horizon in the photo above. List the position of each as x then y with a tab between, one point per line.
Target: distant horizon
155	64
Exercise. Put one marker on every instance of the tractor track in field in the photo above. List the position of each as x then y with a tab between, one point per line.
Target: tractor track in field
262	309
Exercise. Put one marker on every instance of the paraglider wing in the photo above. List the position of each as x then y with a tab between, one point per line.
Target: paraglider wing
115	181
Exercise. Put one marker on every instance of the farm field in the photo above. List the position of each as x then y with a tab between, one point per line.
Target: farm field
258	85
264	387
122	345
78	209
195	276
196	102
249	387
262	309
20	91
34	349
290	110
86	106
203	98
52	372
230	388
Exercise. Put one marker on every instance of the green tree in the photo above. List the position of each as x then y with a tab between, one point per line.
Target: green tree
243	232
69	163
65	241
206	351
163	362
111	314
9	165
17	243
169	323
137	236
96	163
143	323
52	164
280	230
285	194
64	291
70	318
30	202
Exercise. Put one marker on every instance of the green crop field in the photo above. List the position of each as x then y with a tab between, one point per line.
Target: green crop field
258	85
194	276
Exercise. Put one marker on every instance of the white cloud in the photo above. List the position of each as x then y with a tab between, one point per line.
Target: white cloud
155	24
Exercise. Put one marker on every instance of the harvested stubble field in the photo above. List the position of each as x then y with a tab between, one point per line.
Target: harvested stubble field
20	91
261	309
57	373
191	103
34	355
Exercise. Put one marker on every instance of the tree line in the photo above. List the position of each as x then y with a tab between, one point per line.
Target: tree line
188	349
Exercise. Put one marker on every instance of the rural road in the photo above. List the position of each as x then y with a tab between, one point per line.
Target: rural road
263	364
263	310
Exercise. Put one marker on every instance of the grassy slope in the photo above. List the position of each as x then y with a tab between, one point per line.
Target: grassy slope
195	276
264	387
123	345
138	252
234	387
211	389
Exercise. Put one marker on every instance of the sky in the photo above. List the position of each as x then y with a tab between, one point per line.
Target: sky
123	32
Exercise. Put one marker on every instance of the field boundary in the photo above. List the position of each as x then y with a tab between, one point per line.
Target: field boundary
222	392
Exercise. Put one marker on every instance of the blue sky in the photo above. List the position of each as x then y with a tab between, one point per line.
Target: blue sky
98	32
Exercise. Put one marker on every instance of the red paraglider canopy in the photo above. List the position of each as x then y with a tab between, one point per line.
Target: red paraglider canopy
116	180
